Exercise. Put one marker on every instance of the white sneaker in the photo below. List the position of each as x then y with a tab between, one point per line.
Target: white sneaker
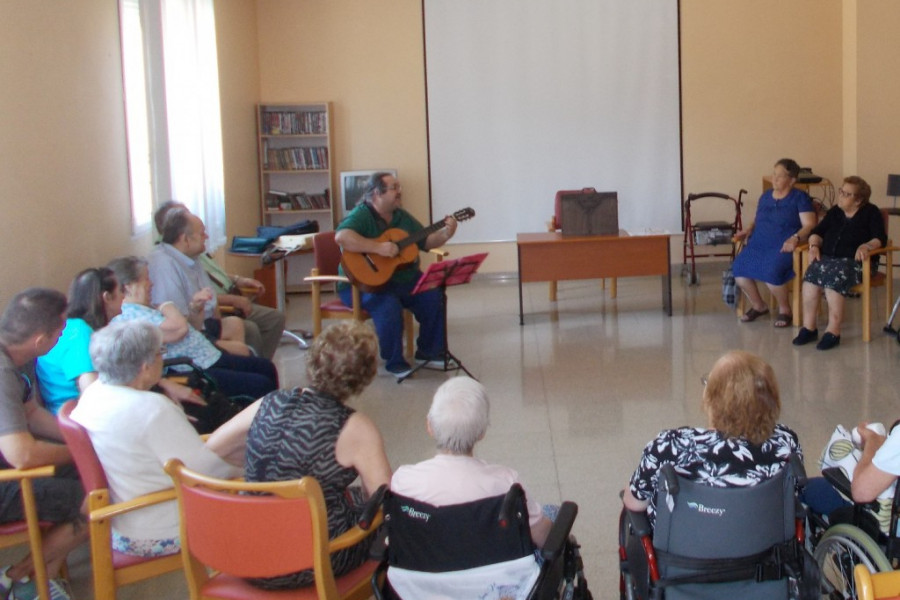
59	589
27	590
5	583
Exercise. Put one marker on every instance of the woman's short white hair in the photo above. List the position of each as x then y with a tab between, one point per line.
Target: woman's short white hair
459	415
122	348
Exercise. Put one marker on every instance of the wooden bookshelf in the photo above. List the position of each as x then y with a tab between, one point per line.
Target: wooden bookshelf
296	176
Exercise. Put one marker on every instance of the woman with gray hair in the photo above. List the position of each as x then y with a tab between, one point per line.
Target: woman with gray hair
458	419
135	431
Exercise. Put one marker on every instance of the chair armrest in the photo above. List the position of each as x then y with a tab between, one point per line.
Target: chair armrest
114	510
247	292
355	535
326	279
439	252
559	533
32	473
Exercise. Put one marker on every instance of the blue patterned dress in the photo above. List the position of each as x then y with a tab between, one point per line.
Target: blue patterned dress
707	456
776	221
293	435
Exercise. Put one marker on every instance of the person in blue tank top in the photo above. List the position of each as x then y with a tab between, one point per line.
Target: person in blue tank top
784	219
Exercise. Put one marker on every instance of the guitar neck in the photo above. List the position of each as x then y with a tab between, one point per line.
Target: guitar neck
415	238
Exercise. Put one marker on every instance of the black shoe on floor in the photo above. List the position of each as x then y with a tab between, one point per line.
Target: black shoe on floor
805	336
828	341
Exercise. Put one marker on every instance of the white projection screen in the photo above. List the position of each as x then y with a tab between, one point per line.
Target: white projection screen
527	97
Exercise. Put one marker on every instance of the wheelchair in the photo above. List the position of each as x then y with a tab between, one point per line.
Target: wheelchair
218	409
480	549
861	534
708	542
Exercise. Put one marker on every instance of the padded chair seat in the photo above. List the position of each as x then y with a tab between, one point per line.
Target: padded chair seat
230	587
121	560
336	306
20	527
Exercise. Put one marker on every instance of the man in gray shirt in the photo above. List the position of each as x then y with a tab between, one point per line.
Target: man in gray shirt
30	437
179	278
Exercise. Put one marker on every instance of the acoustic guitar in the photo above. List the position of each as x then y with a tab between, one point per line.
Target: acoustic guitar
371	271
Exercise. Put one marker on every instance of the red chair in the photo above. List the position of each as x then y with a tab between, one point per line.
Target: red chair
239	535
28	531
111	569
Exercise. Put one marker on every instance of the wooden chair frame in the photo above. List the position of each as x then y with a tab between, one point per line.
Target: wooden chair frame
795	286
883	279
301	498
101	511
29	530
876	586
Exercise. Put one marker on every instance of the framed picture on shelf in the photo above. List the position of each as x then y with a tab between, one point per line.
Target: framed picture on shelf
353	184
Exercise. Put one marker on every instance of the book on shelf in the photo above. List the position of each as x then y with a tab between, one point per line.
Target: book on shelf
294	122
297	159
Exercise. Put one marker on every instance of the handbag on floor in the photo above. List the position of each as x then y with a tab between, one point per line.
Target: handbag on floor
729	288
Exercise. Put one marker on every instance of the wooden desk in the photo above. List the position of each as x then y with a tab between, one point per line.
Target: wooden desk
550	257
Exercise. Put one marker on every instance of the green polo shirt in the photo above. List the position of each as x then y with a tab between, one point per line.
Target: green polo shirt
364	221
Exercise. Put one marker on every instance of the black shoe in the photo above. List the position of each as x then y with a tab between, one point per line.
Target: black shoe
829	341
805	336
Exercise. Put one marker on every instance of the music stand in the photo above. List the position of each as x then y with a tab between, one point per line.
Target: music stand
442	274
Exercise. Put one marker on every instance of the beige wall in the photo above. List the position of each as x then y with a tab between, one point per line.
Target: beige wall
878	83
239	90
762	80
64	183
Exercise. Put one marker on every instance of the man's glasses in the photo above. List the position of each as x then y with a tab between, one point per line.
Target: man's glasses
395	187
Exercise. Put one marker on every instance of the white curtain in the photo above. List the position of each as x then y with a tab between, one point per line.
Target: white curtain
192	112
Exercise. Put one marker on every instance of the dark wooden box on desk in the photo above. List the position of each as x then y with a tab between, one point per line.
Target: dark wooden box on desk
588	212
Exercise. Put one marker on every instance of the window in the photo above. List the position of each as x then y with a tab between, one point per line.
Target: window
173	121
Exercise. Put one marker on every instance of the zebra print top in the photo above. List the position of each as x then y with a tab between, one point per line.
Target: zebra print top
293	435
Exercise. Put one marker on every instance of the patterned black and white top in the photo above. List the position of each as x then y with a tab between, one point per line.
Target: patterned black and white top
294	435
706	455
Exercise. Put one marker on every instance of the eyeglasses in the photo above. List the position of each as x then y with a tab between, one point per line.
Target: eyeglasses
395	187
845	194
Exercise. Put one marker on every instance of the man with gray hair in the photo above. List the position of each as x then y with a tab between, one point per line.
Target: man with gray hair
458	419
30	437
119	412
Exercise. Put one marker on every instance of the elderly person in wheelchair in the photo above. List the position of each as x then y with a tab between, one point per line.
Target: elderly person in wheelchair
463	528
458	419
742	446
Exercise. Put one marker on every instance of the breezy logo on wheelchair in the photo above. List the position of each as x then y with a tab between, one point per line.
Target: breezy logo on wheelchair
719	512
415	514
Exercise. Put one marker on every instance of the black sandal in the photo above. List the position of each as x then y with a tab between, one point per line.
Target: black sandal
753	314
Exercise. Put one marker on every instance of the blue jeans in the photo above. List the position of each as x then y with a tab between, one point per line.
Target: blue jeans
386	308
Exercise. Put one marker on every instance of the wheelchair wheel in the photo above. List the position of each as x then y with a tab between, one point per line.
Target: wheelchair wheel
841	548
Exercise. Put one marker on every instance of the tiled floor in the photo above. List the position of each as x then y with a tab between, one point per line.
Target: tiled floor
580	388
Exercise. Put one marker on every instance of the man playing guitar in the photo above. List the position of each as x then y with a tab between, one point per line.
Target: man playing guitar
380	210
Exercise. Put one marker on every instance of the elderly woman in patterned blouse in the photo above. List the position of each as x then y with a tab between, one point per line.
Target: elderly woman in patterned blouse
742	445
311	431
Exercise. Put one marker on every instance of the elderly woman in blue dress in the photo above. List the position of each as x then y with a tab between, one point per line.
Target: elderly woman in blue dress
784	218
847	235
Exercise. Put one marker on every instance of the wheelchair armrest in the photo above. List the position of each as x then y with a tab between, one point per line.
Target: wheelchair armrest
371	508
796	465
559	533
838	480
177	361
640	522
